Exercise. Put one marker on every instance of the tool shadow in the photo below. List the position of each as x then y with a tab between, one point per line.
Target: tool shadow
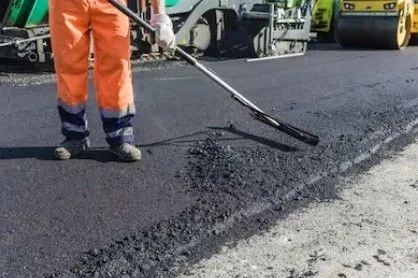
258	139
101	154
182	140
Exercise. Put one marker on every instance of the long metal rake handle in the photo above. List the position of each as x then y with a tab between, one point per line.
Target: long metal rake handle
257	112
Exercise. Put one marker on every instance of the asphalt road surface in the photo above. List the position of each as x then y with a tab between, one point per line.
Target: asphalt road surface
210	173
370	231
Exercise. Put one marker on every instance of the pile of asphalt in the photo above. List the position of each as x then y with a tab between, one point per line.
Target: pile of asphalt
242	189
240	172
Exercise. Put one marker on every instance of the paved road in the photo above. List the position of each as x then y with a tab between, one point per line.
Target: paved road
95	216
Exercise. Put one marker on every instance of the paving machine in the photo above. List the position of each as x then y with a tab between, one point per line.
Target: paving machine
277	28
387	24
268	27
24	30
257	28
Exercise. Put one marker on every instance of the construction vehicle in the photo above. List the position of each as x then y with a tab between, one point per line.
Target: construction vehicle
265	28
366	23
323	15
387	24
20	22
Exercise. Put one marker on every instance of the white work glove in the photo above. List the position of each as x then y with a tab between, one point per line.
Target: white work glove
164	31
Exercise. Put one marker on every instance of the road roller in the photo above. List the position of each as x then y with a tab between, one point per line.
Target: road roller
375	23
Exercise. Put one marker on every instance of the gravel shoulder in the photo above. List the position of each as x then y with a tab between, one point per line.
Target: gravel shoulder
371	231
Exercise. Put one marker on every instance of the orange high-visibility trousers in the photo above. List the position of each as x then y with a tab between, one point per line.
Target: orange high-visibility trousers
70	22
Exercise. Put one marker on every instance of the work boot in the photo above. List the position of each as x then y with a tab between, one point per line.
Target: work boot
126	152
71	148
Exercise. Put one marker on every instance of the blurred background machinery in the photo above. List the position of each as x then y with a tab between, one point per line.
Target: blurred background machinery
387	24
23	30
249	28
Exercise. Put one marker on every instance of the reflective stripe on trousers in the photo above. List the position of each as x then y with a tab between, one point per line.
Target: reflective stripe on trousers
116	123
73	120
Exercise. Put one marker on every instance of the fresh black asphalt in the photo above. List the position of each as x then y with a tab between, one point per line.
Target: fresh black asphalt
206	161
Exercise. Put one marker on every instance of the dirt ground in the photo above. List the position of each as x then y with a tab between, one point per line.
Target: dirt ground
370	232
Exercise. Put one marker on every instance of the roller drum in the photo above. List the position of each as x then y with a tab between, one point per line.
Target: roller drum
387	32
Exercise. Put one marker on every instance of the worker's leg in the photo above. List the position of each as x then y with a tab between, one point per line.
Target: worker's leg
113	82
69	21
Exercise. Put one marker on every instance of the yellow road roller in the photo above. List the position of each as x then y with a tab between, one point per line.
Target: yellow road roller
380	24
414	30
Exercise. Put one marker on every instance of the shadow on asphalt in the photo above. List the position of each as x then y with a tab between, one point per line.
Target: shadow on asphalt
102	154
331	46
13	66
242	136
47	153
261	140
177	140
42	153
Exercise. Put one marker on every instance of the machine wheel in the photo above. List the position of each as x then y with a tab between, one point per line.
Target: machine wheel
403	33
198	38
200	34
374	32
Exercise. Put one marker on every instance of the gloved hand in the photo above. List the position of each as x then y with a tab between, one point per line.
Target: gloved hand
165	35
